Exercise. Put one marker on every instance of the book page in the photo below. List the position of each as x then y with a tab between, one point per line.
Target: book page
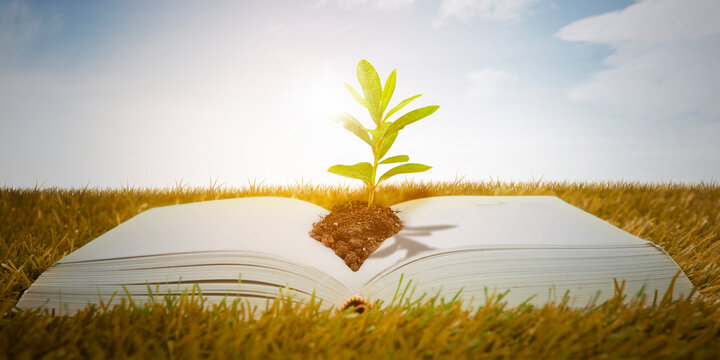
68	287
536	275
440	223
519	242
274	226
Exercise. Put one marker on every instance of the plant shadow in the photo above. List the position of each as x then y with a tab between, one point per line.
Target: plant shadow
404	241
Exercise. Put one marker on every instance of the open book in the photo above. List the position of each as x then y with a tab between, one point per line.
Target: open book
254	247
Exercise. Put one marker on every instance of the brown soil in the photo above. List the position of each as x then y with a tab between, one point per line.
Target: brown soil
354	231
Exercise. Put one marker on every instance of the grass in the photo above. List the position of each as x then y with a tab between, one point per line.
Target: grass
39	226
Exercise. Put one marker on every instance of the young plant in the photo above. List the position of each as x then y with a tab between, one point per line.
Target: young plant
376	99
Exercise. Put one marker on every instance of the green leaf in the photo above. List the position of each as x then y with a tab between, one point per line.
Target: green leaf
377	133
401	105
404	169
353	125
386	144
380	131
388	90
395	159
361	171
372	88
357	97
410	118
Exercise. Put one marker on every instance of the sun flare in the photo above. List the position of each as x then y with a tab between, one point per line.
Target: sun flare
325	96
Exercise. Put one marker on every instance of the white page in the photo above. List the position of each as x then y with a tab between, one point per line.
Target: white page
437	224
272	225
526	272
520	243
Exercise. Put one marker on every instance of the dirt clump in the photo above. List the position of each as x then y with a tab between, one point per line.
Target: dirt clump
354	231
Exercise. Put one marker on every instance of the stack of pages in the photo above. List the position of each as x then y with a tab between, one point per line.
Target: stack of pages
537	247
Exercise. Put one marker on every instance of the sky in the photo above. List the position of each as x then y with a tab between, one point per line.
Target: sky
161	93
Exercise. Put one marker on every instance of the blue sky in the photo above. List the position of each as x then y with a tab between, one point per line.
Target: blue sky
148	93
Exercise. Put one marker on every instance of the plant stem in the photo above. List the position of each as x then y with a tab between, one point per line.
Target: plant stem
372	183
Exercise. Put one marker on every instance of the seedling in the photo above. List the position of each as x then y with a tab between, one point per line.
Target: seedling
381	138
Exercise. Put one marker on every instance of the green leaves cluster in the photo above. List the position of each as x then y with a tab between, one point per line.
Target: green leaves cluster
376	99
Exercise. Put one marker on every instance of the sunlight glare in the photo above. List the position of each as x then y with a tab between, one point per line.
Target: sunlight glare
325	96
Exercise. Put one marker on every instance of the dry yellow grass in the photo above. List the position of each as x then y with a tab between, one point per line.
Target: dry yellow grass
37	227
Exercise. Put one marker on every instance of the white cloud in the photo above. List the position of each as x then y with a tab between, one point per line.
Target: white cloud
488	83
393	4
378	4
495	10
646	22
664	64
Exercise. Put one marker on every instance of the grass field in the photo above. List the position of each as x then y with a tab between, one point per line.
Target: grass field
39	226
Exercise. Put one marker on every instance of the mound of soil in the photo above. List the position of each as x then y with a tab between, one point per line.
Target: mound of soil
354	231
